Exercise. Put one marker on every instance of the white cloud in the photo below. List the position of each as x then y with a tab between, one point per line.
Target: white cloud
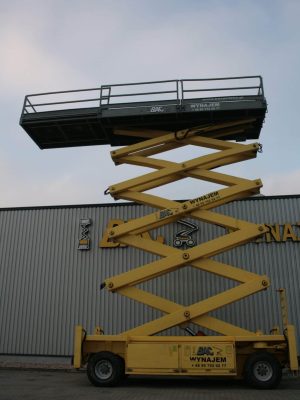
54	46
33	192
284	183
26	64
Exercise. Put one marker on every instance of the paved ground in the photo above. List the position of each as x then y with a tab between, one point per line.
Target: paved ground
61	385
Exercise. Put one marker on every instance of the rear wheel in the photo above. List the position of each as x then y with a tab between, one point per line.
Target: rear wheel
105	369
263	371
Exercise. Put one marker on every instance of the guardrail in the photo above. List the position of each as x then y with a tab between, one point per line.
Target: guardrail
252	89
176	91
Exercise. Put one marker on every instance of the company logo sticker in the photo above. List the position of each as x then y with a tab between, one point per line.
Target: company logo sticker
184	236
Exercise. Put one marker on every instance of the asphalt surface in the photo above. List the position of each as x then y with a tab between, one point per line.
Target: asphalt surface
61	385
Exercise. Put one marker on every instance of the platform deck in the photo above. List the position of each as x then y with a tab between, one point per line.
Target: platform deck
73	118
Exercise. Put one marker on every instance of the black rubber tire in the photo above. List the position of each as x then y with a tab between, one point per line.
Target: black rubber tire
105	369
262	371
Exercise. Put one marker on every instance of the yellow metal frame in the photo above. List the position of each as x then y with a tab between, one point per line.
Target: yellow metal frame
236	233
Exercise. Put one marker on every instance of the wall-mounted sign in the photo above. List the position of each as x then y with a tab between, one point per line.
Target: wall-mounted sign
84	239
281	233
277	233
104	242
184	236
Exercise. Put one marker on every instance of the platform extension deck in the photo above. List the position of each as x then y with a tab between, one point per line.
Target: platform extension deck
90	116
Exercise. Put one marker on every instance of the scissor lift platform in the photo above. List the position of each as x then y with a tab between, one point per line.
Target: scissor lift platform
205	113
91	116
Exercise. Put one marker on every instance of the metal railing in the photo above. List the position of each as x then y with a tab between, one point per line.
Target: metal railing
30	107
252	89
110	96
172	84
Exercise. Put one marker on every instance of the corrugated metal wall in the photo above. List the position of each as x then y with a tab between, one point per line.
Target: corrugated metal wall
47	285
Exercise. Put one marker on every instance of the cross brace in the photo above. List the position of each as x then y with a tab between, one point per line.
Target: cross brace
236	233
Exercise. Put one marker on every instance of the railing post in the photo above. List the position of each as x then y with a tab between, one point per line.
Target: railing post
182	92
177	93
261	86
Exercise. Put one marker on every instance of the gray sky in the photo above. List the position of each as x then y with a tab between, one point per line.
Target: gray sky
50	45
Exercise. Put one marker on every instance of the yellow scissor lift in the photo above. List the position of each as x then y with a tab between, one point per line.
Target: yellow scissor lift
232	351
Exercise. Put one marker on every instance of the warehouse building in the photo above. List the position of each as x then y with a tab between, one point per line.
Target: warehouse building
53	260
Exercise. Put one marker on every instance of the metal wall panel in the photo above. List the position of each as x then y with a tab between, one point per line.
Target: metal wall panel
47	285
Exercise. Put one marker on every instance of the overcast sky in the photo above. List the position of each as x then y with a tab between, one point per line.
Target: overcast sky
62	44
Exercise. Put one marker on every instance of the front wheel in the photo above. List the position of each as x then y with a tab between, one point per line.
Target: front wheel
263	371
105	369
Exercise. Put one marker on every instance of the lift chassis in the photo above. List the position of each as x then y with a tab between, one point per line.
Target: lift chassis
234	351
